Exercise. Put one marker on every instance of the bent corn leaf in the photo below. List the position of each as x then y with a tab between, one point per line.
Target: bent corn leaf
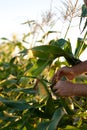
17	105
57	116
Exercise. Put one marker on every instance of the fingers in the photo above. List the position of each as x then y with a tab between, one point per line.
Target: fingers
66	72
64	88
55	77
56	87
58	75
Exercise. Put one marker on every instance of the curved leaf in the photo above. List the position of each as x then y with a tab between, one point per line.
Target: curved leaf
80	47
57	116
17	105
50	52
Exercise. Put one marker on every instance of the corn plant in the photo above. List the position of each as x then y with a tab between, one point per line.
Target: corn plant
26	99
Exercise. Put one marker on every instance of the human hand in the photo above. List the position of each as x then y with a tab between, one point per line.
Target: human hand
63	72
85	1
63	88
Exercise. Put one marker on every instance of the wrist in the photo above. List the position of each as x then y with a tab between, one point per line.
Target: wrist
73	72
75	90
77	69
80	68
80	90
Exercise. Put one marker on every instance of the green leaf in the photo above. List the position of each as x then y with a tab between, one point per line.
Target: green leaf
68	47
50	52
57	116
47	52
4	38
68	127
8	82
24	52
39	67
7	117
60	42
84	127
25	90
80	47
17	105
50	107
29	22
84	11
66	102
47	33
85	25
84	14
43	126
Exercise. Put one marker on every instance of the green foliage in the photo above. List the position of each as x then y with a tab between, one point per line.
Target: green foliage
81	46
26	99
84	15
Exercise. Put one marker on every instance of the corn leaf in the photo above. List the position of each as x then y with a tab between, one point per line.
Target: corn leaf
17	105
57	116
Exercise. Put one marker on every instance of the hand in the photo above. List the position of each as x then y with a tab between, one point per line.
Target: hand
85	1
64	88
65	71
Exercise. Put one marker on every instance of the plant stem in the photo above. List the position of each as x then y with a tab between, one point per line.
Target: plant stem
71	18
68	28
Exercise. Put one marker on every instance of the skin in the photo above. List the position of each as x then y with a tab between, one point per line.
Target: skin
67	88
85	1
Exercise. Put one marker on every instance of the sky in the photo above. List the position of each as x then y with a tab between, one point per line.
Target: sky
15	12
